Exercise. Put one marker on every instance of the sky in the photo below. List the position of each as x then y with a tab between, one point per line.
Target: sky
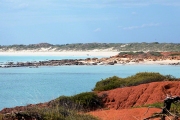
89	21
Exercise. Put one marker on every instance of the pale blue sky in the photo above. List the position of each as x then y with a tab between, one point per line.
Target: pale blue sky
87	21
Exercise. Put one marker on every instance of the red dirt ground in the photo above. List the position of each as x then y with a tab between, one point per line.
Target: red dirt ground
121	100
135	96
125	114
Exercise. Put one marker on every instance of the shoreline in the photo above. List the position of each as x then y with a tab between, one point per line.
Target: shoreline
107	58
158	62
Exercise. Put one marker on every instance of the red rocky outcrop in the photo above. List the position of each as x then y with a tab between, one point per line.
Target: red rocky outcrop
127	97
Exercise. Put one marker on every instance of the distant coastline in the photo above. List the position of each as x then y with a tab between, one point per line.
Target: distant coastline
91	58
97	53
116	47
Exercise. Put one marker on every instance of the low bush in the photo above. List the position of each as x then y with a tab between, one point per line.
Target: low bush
139	78
82	102
109	83
130	53
50	113
144	77
61	113
156	54
63	108
88	100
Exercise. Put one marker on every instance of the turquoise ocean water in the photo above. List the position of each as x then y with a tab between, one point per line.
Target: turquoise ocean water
22	86
5	59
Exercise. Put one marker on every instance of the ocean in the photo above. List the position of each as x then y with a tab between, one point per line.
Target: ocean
5	59
23	85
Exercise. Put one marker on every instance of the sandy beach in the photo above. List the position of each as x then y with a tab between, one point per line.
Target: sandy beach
63	53
97	53
158	62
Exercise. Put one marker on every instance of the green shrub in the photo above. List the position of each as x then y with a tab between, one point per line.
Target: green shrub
49	113
171	78
66	107
61	113
54	113
131	53
156	53
144	77
88	100
65	102
109	83
139	78
82	102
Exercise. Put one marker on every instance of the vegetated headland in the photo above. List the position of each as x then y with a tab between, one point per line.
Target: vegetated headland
112	98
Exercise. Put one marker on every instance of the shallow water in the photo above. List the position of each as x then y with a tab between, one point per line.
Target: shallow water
22	86
5	59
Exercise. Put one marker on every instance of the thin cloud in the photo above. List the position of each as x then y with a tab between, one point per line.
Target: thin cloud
131	3
133	13
14	4
97	30
86	3
141	26
22	6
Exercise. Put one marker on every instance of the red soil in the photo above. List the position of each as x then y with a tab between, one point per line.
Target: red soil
143	94
125	114
119	101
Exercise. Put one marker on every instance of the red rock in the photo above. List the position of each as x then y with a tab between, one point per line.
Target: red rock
143	94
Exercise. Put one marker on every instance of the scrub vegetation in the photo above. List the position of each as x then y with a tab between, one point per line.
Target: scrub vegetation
154	46
139	78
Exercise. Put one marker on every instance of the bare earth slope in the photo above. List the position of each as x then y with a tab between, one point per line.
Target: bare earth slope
127	97
119	101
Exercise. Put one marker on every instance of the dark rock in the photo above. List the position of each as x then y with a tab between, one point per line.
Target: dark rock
110	63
